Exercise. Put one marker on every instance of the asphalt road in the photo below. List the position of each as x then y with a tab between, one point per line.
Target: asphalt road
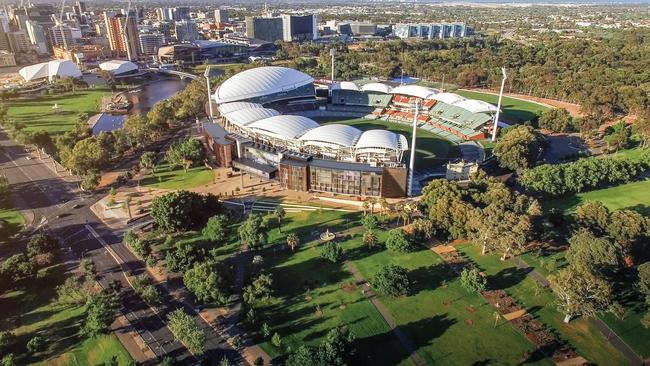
59	208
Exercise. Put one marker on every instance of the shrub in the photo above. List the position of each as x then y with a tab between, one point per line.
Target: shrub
398	241
392	280
332	251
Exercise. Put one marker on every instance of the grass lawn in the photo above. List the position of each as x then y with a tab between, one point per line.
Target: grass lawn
630	328
431	150
447	325
515	111
635	195
12	221
36	112
32	310
586	339
168	178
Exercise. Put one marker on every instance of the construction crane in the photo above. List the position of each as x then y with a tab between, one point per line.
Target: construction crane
59	25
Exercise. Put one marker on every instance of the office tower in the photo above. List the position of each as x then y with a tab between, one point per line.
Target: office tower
79	7
266	29
165	14
37	36
61	36
150	42
181	13
115	26
221	16
4	41
299	27
186	31
19	41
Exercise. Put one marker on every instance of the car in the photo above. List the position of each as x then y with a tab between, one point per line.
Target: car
77	205
28	157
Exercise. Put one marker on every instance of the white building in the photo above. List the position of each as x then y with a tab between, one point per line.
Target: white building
60	68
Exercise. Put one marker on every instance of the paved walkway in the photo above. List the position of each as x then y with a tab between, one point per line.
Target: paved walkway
611	336
406	343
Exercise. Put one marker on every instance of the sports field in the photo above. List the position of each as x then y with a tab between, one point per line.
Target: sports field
431	150
514	110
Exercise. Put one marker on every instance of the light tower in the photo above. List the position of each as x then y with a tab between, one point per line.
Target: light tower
207	81
413	138
333	54
496	116
124	30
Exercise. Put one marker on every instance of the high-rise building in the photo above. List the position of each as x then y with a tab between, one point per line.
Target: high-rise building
4	41
433	31
19	41
37	36
150	42
186	31
221	16
116	24
61	36
299	27
79	7
181	13
266	29
165	14
7	59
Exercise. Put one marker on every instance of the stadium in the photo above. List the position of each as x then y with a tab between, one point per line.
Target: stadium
267	124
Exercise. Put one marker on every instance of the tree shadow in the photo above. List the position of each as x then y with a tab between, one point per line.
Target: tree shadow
430	277
508	277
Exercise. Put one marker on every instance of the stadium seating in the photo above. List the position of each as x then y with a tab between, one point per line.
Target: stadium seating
354	97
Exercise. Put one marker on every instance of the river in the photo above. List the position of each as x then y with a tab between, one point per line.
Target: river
143	99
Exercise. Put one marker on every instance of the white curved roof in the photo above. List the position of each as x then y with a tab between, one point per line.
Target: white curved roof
283	126
345	85
259	82
376	87
60	68
235	106
476	106
342	135
415	91
381	139
117	67
449	98
243	117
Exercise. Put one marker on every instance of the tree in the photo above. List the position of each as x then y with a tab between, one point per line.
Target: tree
35	344
91	180
188	150
332	252
138	130
74	290
293	241
259	289
4	187
146	290
642	127
18	267
149	161
422	229
41	244
472	280
580	292
88	268
253	232
276	340
593	215
7	339
370	238
337	348
556	120
207	281
187	331
626	226
398	241
279	214
140	246
370	222
392	280
644	280
100	313
87	154
183	210
216	229
595	254
519	149
161	116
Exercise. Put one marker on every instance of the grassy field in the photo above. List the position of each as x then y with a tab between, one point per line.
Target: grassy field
168	178
431	150
445	323
32	311
514	110
586	339
12	221
635	195
36	112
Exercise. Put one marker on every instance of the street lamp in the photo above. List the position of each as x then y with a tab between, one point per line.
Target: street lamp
496	116
333	54
207	81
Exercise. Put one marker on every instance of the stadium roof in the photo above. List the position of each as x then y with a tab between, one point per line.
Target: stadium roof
376	87
337	134
283	126
345	85
243	117
60	68
231	107
259	82
415	91
117	67
476	106
382	139
449	98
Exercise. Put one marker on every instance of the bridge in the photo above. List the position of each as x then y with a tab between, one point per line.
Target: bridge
182	75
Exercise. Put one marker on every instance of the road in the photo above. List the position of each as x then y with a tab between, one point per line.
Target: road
61	209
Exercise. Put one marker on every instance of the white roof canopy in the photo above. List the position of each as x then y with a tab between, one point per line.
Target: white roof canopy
376	87
235	106
285	127
449	98
382	139
476	106
50	69
259	82
243	117
337	134
415	91
117	67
